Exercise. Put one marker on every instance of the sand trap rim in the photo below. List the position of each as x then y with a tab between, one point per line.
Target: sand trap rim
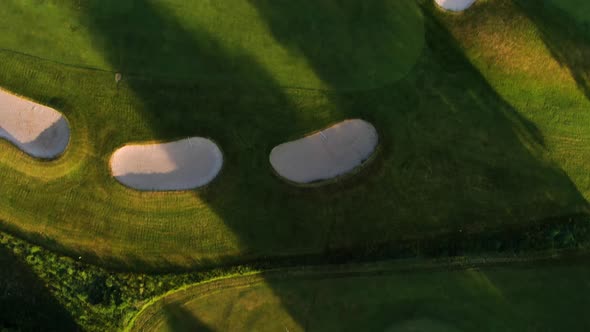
337	179
156	192
63	116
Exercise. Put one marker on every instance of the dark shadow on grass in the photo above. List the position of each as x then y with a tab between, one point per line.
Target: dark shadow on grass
25	302
179	319
568	41
349	44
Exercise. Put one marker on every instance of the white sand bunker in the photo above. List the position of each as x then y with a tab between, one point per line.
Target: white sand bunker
38	130
181	165
455	5
326	154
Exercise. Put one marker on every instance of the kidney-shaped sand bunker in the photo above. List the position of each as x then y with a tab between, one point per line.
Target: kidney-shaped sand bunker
326	154
455	5
38	130
181	165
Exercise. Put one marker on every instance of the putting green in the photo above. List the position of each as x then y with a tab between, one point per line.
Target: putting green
486	299
314	44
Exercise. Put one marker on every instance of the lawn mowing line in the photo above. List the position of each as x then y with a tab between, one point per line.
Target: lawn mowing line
77	66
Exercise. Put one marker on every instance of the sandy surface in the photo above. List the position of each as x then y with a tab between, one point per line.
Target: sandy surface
180	165
455	5
326	154
38	130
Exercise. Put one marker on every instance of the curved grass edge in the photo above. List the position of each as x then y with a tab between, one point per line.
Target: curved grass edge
163	77
376	268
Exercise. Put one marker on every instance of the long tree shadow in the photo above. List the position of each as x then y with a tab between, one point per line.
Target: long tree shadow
568	41
25	302
179	319
454	155
377	42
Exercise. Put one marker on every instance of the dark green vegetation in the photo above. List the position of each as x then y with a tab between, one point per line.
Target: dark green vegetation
458	153
42	291
25	303
373	298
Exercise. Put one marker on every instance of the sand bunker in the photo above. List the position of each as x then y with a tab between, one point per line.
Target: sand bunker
326	154
38	130
455	5
181	165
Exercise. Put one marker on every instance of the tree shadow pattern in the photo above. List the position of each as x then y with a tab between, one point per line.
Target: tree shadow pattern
567	40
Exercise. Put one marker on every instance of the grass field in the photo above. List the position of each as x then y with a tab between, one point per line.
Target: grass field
541	298
476	131
228	42
577	9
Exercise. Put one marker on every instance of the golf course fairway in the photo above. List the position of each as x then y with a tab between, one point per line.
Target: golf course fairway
312	165
355	45
532	298
459	150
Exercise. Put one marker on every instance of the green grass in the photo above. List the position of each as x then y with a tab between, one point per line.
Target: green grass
459	149
352	45
538	62
577	9
534	298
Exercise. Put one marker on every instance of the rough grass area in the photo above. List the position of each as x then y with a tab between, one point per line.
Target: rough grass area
460	150
544	298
